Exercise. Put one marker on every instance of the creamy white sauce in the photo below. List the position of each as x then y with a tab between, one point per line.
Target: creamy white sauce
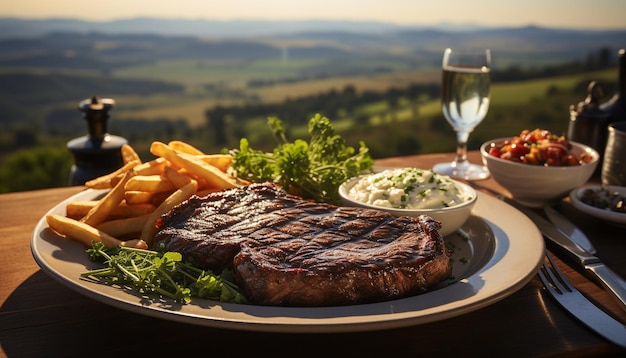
407	188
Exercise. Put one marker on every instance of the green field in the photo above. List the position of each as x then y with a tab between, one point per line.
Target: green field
209	83
196	72
239	72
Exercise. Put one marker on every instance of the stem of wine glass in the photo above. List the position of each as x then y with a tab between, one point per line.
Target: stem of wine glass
461	148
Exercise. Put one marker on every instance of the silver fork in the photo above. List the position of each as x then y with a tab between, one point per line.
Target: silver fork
578	305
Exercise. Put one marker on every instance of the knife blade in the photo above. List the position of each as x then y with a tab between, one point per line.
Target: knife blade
590	263
569	229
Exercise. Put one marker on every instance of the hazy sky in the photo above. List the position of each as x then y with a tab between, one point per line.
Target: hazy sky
552	13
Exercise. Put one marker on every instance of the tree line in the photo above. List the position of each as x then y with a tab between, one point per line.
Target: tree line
599	60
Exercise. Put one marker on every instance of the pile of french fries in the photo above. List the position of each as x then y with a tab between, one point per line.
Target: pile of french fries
140	192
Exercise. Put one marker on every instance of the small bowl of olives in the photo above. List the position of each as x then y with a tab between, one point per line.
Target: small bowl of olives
607	203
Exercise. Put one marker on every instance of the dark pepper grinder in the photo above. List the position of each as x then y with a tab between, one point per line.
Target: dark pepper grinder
588	123
97	153
616	106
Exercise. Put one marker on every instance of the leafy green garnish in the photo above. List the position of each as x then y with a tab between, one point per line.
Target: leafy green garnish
162	274
313	170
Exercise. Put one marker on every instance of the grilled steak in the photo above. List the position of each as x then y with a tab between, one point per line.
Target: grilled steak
291	252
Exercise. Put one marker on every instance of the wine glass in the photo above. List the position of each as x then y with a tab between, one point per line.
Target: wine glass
465	101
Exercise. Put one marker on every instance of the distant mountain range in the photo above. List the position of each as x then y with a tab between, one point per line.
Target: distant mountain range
16	27
46	42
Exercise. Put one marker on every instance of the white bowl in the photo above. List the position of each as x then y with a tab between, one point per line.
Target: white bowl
451	218
536	185
612	217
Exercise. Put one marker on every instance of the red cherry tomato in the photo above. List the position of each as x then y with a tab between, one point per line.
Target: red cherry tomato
495	151
519	150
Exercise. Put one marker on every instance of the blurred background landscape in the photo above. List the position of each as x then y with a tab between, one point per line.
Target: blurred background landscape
212	82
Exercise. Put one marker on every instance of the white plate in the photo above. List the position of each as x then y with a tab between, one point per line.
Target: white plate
499	252
603	214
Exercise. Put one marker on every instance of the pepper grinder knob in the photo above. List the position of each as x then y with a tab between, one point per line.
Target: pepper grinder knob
96	112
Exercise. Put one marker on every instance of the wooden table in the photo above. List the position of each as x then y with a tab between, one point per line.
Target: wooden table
41	317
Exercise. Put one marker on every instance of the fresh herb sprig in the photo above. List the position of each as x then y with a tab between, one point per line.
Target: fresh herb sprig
163	274
312	169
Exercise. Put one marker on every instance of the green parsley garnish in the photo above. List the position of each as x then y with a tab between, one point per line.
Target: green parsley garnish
161	274
312	169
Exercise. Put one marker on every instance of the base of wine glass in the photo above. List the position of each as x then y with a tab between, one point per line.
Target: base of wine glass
466	171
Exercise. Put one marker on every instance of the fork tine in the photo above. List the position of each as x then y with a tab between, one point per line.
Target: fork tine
544	279
548	280
558	278
552	278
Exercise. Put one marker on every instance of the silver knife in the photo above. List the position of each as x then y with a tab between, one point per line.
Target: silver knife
569	229
609	279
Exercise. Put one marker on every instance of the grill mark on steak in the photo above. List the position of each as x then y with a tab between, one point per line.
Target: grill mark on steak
291	252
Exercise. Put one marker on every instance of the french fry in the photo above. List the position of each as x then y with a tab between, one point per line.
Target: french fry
129	154
152	167
195	166
108	203
124	227
145	198
153	183
86	234
149	230
220	161
177	179
116	179
184	147
104	181
136	197
78	209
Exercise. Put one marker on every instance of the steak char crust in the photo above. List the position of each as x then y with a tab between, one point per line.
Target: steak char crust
287	251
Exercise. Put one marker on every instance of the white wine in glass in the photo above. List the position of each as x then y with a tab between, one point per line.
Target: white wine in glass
465	99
